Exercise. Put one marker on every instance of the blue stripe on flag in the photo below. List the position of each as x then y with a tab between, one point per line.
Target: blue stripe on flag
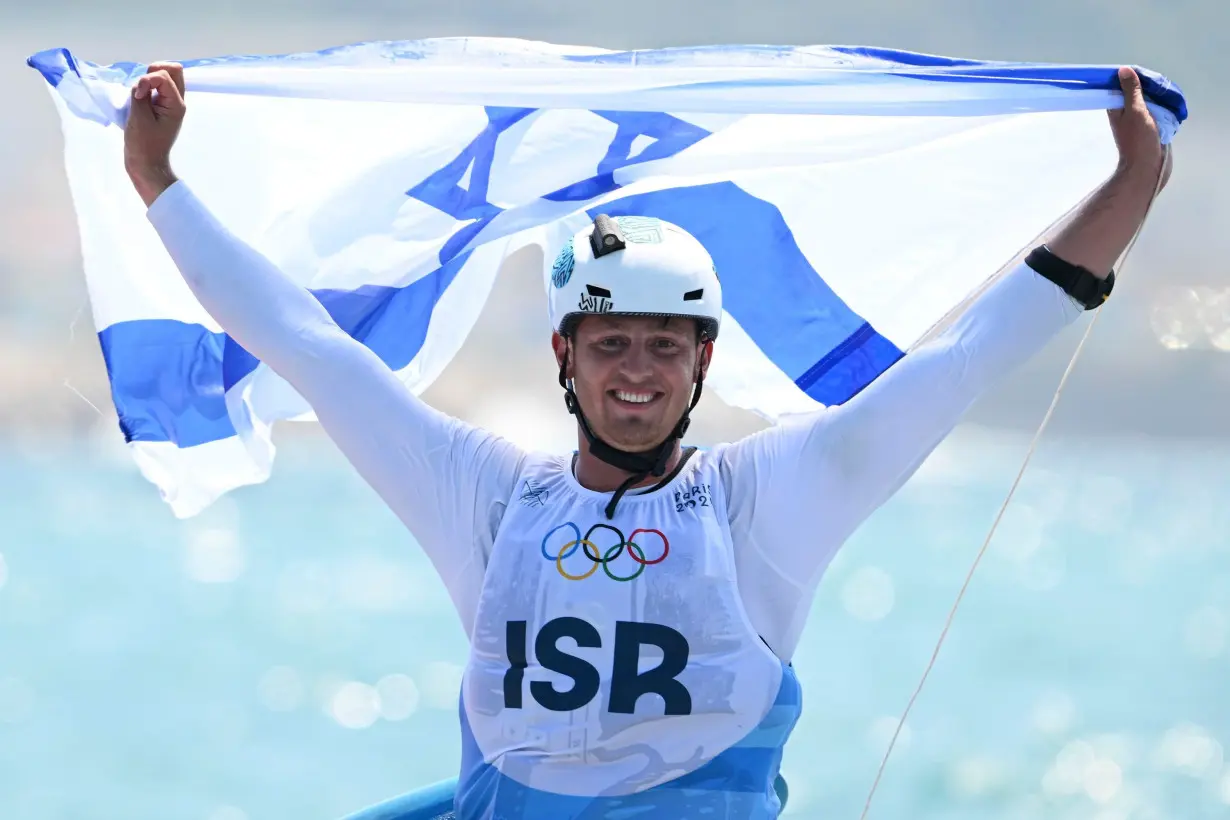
166	381
671	135
442	190
1156	87
53	63
771	289
169	379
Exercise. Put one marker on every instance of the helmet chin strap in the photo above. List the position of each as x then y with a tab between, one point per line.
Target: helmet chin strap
640	465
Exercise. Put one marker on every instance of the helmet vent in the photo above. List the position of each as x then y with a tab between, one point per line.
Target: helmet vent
694	295
594	290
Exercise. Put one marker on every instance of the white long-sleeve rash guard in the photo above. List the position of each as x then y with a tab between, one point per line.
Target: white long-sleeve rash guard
822	473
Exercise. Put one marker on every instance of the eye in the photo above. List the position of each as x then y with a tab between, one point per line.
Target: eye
665	344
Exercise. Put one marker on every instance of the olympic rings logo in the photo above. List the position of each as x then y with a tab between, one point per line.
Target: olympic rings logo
602	556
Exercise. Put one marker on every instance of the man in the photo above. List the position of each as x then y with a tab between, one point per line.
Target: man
632	609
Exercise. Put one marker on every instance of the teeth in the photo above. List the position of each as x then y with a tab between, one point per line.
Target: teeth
635	398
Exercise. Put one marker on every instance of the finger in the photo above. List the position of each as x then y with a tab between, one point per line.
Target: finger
154	81
139	111
1129	82
173	70
160	82
141	89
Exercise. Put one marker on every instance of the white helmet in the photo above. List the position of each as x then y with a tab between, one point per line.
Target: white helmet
637	266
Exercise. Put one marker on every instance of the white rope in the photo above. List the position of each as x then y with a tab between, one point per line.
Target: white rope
72	335
1008	499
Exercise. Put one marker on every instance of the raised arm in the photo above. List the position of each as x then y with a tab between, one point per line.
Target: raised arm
833	468
1104	228
446	480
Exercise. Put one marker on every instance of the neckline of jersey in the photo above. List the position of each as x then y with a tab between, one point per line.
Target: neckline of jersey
632	496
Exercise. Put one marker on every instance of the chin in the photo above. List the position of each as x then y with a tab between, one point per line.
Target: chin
635	441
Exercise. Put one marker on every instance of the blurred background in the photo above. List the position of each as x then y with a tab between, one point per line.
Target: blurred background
289	653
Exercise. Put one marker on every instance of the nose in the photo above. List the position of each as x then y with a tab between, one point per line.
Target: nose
637	364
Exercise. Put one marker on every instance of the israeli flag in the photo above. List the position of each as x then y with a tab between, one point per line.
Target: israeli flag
854	200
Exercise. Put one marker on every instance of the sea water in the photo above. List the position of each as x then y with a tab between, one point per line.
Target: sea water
289	653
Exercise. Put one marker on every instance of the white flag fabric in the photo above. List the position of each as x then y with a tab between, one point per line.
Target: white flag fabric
852	199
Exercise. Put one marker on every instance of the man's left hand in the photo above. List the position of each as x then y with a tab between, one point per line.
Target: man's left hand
1136	134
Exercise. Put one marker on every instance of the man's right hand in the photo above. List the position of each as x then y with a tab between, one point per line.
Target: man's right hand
156	113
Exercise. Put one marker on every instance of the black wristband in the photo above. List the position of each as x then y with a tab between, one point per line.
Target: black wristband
1077	282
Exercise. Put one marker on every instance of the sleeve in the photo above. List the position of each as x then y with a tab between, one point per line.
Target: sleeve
796	491
445	480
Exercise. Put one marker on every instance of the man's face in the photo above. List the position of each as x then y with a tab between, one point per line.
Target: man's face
633	375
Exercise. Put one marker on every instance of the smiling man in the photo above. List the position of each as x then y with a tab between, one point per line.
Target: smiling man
632	608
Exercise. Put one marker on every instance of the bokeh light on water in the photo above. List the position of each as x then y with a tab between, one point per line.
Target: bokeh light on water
881	734
355	705
213	556
868	595
227	813
1190	316
399	696
1054	713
